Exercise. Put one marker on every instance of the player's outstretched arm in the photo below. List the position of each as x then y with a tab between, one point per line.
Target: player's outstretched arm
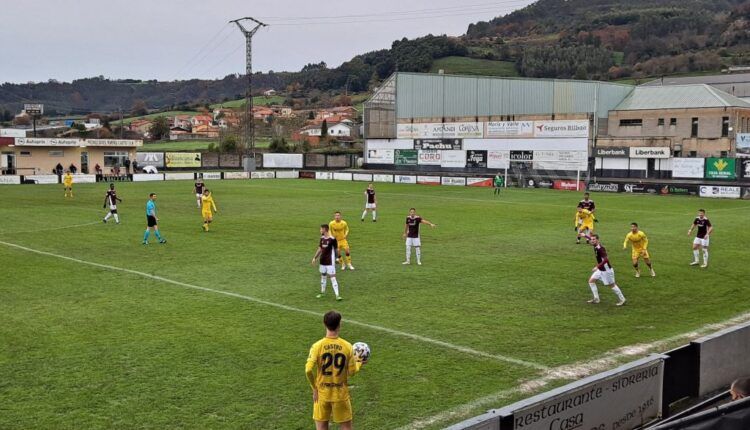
424	221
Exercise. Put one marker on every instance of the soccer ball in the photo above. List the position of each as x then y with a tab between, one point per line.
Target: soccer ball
362	350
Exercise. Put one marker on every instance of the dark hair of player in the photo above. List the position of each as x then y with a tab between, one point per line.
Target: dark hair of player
596	236
111	185
152	194
634	223
337	212
412	209
324	227
205	191
585	194
702	210
332	320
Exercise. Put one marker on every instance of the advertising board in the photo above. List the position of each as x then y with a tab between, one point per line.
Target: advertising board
430	157
428	180
10	180
337	176
324	176
380	156
718	192
147	177
237	175
688	167
181	176
453	181
476	159
498	159
479	182
283	174
405	179
283	161
382	178
509	129
155	159
406	157
438	144
453	159
568	185
561	128
182	160
43	179
264	175
366	177
720	168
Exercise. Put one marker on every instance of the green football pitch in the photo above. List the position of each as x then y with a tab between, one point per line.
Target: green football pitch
211	330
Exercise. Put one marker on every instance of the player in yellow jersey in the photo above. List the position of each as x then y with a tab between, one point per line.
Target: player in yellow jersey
639	243
330	364
340	231
584	224
68	184
207	204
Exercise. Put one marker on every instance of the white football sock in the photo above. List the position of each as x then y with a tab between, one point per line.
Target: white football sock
117	218
364	214
199	202
418	250
705	256
618	292
335	285
374	215
408	252
594	290
323	284
695	255
106	217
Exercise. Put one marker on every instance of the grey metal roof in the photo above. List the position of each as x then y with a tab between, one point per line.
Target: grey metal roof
735	78
679	97
422	95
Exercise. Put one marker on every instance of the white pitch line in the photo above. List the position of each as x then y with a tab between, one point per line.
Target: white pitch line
420	338
52	228
574	371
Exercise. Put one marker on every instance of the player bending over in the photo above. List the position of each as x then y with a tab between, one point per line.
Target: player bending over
327	248
199	186
329	366
371	204
584	224
340	231
639	243
701	238
151	220
207	204
603	272
68	184
411	234
111	199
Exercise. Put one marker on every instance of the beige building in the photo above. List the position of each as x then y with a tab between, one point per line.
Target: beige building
692	120
30	156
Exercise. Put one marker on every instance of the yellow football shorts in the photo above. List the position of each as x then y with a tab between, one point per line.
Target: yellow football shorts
207	214
586	225
640	253
343	244
341	412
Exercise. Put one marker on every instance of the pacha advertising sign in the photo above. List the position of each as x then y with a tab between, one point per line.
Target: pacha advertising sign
438	144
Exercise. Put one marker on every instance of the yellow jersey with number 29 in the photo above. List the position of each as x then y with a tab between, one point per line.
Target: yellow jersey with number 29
330	364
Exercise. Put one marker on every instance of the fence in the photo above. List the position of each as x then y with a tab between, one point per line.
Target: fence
633	395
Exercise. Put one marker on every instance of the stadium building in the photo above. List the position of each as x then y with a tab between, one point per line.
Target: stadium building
544	127
39	156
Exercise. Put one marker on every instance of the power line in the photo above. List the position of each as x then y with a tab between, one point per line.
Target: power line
394	13
206	45
367	21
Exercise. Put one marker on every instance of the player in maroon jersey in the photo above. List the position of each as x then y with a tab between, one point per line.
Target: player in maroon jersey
371	203
328	253
603	272
199	186
411	234
111	199
589	205
701	238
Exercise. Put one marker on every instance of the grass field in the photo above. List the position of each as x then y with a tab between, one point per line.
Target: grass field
211	330
192	145
257	101
474	66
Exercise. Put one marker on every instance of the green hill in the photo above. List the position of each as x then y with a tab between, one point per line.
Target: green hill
473	66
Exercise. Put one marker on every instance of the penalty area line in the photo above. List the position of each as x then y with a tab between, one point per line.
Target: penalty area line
39	230
574	371
394	332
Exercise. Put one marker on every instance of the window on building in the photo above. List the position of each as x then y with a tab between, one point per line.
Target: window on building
693	154
724	126
631	122
57	153
661	122
115	158
672	122
677	153
694	128
723	154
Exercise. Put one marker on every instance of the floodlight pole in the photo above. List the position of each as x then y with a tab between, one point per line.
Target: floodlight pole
249	122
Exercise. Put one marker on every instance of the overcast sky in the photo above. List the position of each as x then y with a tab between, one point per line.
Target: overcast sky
169	39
